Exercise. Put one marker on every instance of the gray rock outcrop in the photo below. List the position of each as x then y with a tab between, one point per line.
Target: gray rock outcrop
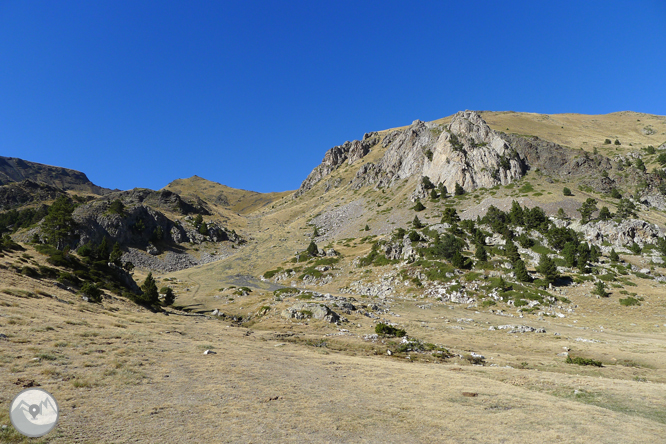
303	310
349	152
468	152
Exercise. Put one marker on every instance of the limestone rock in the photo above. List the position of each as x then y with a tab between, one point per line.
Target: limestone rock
304	310
467	152
350	152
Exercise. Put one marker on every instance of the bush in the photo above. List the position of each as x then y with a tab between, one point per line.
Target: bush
628	302
169	297
567	192
617	142
90	290
583	361
419	206
117	207
387	330
607	142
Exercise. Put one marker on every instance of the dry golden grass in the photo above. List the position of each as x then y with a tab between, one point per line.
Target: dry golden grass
124	374
121	374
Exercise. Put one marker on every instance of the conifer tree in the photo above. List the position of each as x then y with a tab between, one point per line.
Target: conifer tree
614	257
511	252
548	269
149	290
521	271
569	252
312	249
481	254
116	254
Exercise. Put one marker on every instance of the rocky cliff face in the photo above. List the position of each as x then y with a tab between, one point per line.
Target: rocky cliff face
140	225
16	170
467	152
349	152
15	194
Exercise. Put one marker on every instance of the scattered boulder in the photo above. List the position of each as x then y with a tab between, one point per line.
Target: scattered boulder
303	310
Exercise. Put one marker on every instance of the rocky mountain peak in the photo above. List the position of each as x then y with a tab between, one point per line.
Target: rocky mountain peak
470	124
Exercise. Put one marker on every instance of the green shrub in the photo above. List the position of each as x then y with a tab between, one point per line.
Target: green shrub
93	292
628	302
566	191
387	330
29	272
117	207
583	361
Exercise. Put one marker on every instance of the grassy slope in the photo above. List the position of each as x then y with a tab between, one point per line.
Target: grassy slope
342	391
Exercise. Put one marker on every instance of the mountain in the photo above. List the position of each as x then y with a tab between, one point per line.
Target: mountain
13	170
233	199
504	265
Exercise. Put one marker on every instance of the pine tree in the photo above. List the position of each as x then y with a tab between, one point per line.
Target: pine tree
614	257
203	229
600	289
516	214
416	223
586	210
548	269
521	271
442	190
419	206
116	254
459	191
58	223
312	249
569	252
427	184
149	290
481	254
434	195
583	257
450	216
626	209
169	297
198	220
511	252
605	214
595	252
458	260
103	250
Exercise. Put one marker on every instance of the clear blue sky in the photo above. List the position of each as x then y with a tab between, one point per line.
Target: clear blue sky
251	94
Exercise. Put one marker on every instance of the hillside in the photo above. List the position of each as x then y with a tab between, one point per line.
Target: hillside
17	170
233	199
485	268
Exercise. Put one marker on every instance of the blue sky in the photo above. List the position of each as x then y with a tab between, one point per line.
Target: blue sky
251	94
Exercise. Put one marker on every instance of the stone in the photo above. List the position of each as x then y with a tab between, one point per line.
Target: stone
303	310
467	152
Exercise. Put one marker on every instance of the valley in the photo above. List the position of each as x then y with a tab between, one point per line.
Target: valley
448	281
